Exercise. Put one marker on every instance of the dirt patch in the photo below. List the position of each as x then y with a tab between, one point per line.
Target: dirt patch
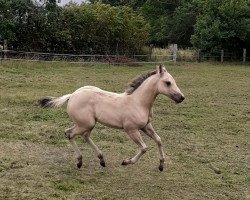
25	169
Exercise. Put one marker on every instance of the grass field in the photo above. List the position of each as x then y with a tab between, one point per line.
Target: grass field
206	137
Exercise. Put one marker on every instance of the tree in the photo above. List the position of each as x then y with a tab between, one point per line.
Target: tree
135	4
159	14
7	22
102	28
26	23
223	24
181	25
29	25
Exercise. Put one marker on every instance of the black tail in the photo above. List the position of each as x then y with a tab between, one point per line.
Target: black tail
46	102
53	102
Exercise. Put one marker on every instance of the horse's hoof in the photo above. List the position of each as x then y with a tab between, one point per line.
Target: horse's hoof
79	165
161	168
124	162
67	135
102	163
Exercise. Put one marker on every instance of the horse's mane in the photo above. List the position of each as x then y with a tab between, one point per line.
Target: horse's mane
135	83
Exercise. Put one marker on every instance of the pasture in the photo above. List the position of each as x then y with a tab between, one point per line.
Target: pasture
206	137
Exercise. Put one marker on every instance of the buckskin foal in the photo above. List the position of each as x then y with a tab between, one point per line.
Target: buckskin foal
130	111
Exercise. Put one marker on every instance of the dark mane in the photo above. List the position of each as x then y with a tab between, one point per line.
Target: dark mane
134	84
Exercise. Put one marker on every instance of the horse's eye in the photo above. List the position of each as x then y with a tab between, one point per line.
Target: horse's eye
168	83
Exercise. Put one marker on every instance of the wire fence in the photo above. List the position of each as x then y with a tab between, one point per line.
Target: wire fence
133	60
155	57
224	56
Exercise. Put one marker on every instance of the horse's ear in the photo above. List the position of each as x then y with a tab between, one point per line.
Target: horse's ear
161	69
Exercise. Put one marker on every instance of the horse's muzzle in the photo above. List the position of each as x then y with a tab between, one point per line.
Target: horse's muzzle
178	98
181	99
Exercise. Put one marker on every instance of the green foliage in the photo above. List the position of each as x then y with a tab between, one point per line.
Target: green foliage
205	24
222	25
125	26
29	24
159	14
101	28
131	3
88	28
182	22
171	21
7	23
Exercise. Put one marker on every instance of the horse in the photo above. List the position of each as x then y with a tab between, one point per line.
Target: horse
131	111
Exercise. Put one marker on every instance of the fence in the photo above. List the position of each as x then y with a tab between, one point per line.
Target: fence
172	54
86	58
223	56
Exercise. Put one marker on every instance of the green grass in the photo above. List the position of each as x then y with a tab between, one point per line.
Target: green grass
208	132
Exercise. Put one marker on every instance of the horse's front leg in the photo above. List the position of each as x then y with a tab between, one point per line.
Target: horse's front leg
149	130
136	137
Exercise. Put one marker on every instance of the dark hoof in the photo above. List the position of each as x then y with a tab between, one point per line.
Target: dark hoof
124	162
67	135
79	165
161	168
102	163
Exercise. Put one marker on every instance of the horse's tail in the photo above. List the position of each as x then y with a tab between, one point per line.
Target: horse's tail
53	102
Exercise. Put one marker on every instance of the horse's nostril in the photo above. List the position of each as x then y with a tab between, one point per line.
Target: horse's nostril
179	98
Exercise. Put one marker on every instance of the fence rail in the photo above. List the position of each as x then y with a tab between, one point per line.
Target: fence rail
171	55
84	58
223	56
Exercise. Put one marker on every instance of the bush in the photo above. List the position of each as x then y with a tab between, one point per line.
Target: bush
101	28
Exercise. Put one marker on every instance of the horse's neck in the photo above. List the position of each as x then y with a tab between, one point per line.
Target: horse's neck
147	92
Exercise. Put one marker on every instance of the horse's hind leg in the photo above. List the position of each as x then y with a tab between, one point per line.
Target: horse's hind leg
99	153
70	134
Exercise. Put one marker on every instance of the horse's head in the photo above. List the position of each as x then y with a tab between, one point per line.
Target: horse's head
167	85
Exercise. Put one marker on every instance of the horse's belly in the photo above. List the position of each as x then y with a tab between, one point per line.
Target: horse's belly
109	117
111	125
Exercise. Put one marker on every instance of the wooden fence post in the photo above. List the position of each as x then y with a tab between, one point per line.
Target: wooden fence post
222	56
244	55
199	56
5	47
151	48
1	54
174	52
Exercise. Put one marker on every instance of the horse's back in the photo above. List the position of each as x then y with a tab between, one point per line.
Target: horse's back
85	97
93	90
92	103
